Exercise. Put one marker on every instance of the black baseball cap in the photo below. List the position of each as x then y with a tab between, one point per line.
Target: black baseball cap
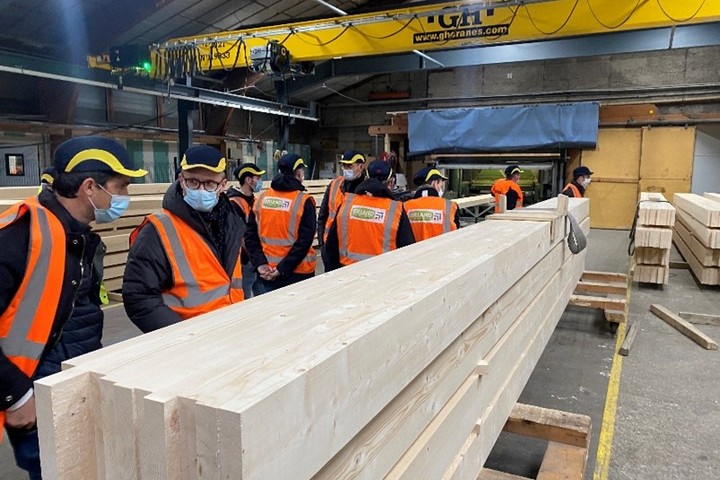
379	169
94	154
427	175
512	170
242	171
351	156
203	156
290	162
48	175
583	170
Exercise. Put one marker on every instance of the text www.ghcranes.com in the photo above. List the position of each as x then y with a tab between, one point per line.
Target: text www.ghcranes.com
461	33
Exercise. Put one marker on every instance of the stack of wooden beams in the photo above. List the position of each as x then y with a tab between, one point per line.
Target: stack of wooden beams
697	234
653	239
405	365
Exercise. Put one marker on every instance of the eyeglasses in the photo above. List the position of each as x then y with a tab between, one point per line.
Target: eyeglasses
207	185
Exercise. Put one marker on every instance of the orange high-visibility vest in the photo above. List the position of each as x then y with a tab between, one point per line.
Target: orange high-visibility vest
278	215
430	216
366	227
501	187
200	283
335	199
244	206
26	323
574	189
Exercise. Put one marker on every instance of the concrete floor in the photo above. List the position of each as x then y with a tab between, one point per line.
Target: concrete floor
668	413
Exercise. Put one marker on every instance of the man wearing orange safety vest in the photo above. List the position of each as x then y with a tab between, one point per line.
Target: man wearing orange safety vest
581	180
353	166
185	259
281	229
50	275
249	176
369	222
509	187
431	215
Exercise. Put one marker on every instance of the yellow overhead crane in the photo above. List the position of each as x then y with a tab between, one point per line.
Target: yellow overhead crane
291	48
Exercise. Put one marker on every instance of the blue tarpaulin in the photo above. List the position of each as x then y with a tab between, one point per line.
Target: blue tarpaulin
526	127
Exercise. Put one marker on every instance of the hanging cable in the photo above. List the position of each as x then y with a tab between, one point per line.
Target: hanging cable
613	27
557	29
347	27
407	24
342	94
677	19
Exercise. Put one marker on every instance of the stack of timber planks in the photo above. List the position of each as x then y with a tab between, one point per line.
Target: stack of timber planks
697	234
653	239
405	365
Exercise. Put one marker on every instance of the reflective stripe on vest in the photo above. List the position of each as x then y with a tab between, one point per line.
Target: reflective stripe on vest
391	222
26	323
244	206
191	296
575	190
280	233
335	199
430	216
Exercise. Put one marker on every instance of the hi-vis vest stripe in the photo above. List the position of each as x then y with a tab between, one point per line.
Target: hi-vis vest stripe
391	221
335	198
278	217
201	289
26	323
574	189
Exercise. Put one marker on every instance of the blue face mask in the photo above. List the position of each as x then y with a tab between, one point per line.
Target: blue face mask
118	205
201	200
258	186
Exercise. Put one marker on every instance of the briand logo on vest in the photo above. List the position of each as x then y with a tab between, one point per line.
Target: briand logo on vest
368	214
425	216
275	203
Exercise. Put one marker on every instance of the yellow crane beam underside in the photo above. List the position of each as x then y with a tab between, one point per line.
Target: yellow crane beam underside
432	27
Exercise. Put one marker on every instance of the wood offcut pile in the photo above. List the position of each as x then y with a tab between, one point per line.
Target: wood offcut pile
406	365
653	239
697	234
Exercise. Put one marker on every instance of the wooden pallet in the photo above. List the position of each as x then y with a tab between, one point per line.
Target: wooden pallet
568	436
607	291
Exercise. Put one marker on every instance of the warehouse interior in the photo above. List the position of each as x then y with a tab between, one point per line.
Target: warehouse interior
628	89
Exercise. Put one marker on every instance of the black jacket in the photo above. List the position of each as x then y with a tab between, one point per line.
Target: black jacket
77	327
431	192
324	212
148	272
236	192
377	189
306	233
570	193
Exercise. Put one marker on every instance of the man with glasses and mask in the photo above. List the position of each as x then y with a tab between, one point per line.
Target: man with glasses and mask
50	275
281	229
353	167
185	259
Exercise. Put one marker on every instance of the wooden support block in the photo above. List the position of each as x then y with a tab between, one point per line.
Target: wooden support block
563	462
653	237
601	287
629	339
703	209
684	327
679	265
707	257
710	237
490	474
502	204
604	277
549	424
705	275
597	302
701	318
656	274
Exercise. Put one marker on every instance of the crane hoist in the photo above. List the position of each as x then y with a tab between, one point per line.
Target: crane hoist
293	48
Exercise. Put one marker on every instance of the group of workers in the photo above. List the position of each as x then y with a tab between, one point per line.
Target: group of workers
210	246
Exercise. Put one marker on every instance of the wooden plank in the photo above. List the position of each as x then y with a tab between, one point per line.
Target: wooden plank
117	243
710	237
668	187
656	274
684	327
704	210
469	461
563	462
707	257
628	341
473	201
597	302
712	196
705	275
590	275
549	424
601	287
701	318
653	256
490	474
653	237
655	210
